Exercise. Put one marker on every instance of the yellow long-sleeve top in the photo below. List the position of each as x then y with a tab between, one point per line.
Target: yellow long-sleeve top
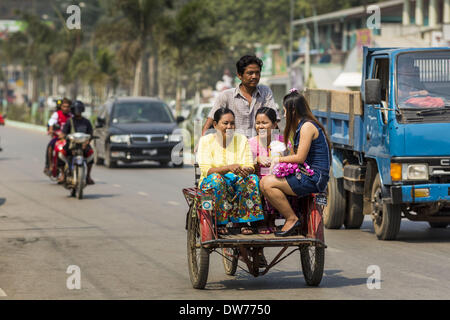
211	154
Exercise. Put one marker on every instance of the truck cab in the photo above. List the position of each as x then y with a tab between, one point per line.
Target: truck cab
391	142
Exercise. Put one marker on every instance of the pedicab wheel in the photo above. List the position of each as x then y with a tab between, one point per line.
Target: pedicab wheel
313	261
198	257
230	260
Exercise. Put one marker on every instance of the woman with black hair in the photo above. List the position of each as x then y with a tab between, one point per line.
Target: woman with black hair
311	145
227	169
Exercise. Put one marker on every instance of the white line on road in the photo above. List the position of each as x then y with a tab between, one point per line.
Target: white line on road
143	194
174	203
2	293
419	276
116	185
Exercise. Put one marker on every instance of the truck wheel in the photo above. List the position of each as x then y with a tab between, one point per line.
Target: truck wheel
386	217
354	216
334	213
439	225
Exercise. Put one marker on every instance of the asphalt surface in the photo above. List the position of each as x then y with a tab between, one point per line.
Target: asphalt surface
128	240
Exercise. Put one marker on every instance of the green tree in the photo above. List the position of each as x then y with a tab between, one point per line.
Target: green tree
190	38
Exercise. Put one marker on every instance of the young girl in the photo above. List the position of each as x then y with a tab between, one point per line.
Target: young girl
265	123
311	144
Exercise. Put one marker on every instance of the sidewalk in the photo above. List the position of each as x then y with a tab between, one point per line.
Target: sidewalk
25	125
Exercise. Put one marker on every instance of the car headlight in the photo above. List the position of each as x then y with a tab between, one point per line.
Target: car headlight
121	138
175	138
414	171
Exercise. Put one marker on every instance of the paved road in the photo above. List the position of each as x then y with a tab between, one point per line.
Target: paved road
128	239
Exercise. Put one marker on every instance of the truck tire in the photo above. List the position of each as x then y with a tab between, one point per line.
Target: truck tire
386	217
439	225
354	216
334	212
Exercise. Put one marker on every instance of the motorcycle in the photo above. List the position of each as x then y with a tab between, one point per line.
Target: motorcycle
53	174
75	172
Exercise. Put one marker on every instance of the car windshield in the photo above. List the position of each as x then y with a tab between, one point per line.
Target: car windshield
423	79
141	111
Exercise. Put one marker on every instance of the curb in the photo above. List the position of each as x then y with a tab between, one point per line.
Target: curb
25	125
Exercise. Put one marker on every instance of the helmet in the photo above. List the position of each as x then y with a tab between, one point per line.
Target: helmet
77	107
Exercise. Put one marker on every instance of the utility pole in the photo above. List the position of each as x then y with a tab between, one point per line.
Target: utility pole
307	59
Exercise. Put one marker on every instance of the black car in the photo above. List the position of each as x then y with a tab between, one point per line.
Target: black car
132	129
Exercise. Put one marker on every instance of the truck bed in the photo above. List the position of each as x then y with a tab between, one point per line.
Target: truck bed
342	114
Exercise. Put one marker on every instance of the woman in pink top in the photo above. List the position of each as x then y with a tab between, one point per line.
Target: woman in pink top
265	122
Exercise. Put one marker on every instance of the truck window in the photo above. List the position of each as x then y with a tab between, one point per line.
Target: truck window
381	71
423	79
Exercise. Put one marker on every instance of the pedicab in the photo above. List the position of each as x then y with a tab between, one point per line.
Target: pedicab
203	239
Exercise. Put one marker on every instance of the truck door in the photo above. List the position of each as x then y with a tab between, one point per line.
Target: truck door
375	116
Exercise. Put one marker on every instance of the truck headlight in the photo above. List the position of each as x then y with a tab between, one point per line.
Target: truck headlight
415	171
175	138
121	138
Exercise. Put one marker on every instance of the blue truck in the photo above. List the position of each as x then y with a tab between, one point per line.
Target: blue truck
391	141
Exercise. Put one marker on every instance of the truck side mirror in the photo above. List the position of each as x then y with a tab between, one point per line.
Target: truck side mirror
372	91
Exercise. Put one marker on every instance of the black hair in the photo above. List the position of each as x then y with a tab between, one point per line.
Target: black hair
246	61
220	112
269	112
66	100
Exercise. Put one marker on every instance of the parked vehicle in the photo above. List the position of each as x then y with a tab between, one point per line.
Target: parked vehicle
391	153
132	129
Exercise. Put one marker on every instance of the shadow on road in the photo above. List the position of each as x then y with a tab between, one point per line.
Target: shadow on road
414	232
277	280
97	196
147	165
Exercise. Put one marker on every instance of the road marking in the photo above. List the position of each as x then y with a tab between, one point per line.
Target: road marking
419	276
143	194
174	203
330	249
116	185
2	293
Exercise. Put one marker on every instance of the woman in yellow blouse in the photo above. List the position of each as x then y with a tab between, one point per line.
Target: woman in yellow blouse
226	164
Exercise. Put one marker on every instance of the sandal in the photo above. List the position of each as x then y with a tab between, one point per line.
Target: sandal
222	231
264	230
246	230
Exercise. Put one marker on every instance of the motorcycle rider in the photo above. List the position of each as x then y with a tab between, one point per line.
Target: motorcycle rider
78	124
55	124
